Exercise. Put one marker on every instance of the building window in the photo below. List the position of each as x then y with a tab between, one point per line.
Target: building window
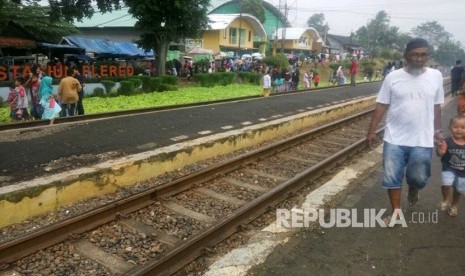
232	36
242	36
250	36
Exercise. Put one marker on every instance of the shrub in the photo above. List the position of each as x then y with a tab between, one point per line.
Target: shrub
126	88
154	83
145	83
169	80
204	79
113	93
108	84
279	60
3	102
248	77
210	80
98	92
137	82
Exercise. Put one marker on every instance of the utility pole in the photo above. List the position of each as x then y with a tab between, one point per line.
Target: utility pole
240	26
284	28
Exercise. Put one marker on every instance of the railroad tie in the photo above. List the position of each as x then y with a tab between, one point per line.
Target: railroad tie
115	264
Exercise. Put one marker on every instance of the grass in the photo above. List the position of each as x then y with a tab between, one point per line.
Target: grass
187	93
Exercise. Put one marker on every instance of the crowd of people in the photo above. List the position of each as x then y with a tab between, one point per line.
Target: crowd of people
33	97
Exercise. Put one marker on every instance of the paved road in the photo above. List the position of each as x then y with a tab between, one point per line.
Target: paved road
27	154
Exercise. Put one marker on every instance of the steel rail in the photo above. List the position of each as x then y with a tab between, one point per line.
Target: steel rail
13	250
189	251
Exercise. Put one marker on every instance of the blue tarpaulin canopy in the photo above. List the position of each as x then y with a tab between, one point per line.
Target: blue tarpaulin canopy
106	47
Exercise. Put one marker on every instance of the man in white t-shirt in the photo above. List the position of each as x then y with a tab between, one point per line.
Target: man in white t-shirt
412	97
266	84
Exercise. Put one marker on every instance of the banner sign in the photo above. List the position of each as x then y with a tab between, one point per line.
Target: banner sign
59	72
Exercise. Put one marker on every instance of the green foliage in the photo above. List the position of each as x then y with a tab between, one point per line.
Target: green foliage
248	77
202	65
137	82
108	84
433	32
167	87
126	88
36	20
279	60
172	80
317	21
145	83
3	102
367	66
99	92
161	22
154	83
253	7
448	52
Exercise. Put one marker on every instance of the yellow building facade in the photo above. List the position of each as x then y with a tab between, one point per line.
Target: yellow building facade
297	40
233	32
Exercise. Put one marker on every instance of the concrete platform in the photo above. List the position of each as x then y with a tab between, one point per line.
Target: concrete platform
432	243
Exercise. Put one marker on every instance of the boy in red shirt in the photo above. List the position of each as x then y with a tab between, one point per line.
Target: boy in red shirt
316	79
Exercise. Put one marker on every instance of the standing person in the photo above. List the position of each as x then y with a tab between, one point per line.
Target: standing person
353	71
456	76
47	100
412	98
13	103
287	81
452	152
266	84
341	79
36	108
307	80
68	93
296	78
316	79
23	102
80	106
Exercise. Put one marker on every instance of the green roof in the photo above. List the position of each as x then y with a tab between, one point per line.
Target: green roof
121	18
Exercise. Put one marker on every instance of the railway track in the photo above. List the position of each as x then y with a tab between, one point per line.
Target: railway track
161	230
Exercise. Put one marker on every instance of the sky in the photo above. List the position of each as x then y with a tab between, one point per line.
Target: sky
344	16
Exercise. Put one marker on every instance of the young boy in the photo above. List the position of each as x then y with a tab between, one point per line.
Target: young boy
316	79
452	152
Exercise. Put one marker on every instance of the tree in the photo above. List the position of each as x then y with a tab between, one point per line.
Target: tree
36	20
253	7
317	21
433	32
165	21
160	22
448	52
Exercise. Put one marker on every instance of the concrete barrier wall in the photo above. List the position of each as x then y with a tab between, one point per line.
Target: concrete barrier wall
22	201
